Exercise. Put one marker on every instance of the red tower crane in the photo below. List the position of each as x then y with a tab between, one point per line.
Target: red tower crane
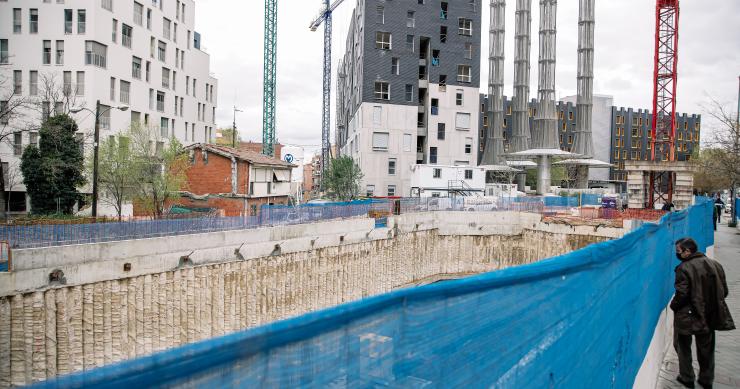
663	131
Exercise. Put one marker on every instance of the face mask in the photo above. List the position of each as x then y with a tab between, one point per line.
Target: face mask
679	256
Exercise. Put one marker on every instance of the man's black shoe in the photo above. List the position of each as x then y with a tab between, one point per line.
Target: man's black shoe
684	382
705	386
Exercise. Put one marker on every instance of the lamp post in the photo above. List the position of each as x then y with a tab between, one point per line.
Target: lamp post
233	128
96	142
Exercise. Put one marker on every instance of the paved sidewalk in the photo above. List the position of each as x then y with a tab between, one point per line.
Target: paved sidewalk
727	355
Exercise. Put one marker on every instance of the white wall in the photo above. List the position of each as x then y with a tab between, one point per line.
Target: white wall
422	176
600	132
451	150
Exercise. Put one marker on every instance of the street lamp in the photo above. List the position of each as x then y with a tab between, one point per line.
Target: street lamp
97	114
233	129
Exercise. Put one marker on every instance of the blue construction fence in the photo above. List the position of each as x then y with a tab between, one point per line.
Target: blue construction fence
581	320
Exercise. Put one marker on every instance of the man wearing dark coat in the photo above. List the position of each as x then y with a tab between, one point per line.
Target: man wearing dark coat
699	309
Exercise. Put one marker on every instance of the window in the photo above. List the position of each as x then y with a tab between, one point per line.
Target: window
33	21
3	51
380	15
391	166
436	173
468	174
440	131
382	90
4	118
33	81
166	28
395	66
383	40
174	32
114	31
409	93
17	21
410	19
127	33
410	43
125	90
165	78
107	4
462	121
432	155
46	53
459	97
473	6
162	51
17	143
17	82
391	190
468	145
443	10
468	51
570	139
113	89
406	142
95	54
380	141
81	18
136	68
435	106
67	83
370	190
164	126
149	19
160	101
59	59
80	88
377	114
67	21
465	27
138	13
443	34
463	73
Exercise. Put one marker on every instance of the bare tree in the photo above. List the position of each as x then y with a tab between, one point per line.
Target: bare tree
13	108
12	178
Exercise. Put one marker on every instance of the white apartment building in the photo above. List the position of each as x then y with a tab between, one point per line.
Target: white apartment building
144	55
407	92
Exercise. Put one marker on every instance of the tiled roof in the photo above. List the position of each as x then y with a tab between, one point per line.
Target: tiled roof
244	155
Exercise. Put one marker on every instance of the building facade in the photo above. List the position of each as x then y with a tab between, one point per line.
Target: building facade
408	89
60	55
619	134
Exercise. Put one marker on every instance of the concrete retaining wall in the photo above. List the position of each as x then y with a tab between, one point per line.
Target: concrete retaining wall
61	329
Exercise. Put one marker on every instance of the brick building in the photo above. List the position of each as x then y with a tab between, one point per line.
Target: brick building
236	182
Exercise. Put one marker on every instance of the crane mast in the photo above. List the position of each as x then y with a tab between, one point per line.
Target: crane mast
268	82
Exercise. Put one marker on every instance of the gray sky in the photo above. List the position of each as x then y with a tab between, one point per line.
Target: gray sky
232	30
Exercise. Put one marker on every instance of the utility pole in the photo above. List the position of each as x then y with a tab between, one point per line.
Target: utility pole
233	128
736	133
95	161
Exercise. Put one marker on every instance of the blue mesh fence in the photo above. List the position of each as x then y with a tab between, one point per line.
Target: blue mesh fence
580	320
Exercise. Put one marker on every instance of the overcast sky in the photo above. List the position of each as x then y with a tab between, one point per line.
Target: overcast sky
232	32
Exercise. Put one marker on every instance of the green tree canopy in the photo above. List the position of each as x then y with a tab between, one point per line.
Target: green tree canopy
117	175
53	171
342	179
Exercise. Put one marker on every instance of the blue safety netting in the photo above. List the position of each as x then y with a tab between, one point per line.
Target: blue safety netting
580	320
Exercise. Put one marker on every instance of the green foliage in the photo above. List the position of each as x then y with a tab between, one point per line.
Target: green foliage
117	176
342	180
159	169
226	138
712	170
53	171
558	174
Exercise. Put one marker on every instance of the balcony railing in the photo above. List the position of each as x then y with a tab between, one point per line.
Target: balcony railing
95	59
68	27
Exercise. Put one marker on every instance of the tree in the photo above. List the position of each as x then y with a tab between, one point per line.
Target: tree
53	171
226	138
116	172
342	179
12	177
159	168
726	143
12	106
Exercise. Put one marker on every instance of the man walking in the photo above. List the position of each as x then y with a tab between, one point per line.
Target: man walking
699	309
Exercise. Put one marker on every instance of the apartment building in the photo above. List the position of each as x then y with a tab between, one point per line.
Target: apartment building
144	55
408	89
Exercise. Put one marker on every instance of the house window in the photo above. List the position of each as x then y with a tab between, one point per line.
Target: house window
462	121
443	10
395	66
95	54
46	54
33	81
391	166
125	90
464	73
380	14
391	190
437	173
468	174
33	21
570	139
432	155
435	106
383	40
370	190
127	33
166	28
4	51
468	145
17	21
81	19
138	13
442	34
17	143
410	43
382	90
67	83
468	51
165	78
164	126
465	27
162	51
68	21
406	142
160	101
380	141
410	19
114	31
440	131
17	82
136	68
459	98
409	93
377	115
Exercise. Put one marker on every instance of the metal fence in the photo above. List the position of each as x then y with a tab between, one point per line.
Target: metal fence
44	235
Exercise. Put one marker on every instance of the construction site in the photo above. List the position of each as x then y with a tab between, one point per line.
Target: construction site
512	287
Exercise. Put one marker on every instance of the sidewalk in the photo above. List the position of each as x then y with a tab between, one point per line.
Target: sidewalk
727	355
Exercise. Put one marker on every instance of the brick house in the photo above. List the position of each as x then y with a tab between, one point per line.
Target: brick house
237	182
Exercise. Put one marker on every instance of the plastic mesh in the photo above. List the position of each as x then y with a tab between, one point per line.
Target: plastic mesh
584	319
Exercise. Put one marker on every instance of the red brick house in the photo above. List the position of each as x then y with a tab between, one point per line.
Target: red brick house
237	182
